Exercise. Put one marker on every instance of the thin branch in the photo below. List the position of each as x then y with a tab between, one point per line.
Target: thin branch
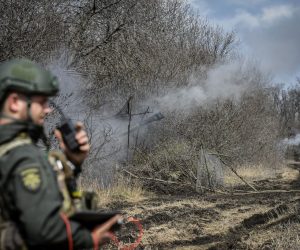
267	192
103	8
105	41
169	182
240	177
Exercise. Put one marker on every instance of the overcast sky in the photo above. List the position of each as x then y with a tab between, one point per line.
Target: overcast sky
268	30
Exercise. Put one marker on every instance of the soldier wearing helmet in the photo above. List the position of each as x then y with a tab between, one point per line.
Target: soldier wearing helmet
35	206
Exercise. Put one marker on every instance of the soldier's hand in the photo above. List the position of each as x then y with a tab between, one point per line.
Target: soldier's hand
101	231
82	139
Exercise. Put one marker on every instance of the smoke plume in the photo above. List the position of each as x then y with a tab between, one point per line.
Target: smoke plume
292	141
225	81
108	137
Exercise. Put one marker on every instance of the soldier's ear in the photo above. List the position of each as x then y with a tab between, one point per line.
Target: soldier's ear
15	103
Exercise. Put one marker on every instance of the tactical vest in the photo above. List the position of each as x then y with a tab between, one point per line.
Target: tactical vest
73	200
72	197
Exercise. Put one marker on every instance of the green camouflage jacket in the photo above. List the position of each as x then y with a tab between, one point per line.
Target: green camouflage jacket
32	198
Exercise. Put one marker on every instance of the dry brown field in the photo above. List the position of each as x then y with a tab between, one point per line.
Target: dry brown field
234	218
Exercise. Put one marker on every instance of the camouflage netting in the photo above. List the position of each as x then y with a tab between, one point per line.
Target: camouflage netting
178	167
210	172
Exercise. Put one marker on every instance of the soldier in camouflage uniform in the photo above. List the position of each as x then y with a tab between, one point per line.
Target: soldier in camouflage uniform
35	203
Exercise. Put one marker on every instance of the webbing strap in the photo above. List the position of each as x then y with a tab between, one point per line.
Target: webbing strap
4	148
68	230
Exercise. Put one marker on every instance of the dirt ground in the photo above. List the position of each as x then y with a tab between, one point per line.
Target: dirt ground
239	219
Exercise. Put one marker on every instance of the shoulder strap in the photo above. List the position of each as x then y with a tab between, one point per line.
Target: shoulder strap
16	142
21	139
63	172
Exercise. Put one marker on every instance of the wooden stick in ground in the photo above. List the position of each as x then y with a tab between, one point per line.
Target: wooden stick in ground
242	179
268	192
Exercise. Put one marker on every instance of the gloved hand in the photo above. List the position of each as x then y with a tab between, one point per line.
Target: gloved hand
102	231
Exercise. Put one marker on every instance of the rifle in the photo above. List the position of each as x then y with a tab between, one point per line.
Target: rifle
91	219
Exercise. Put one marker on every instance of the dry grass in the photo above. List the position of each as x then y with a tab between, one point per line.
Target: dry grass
251	173
289	174
280	237
280	233
181	228
288	238
230	217
121	190
184	220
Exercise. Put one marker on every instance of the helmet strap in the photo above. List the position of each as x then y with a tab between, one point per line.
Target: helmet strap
33	125
28	101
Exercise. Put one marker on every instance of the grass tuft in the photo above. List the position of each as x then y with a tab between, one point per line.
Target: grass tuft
123	189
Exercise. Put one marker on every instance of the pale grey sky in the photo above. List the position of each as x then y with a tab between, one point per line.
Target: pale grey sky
268	30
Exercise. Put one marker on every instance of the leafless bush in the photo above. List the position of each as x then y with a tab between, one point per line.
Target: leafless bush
141	48
246	131
144	49
287	103
31	29
176	166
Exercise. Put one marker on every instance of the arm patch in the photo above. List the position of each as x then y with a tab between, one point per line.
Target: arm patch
31	178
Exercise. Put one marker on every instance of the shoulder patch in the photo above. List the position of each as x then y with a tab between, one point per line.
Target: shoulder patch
31	178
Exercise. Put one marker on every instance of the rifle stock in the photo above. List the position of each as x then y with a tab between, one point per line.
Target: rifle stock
91	219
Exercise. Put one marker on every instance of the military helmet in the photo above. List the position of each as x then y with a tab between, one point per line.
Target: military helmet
27	77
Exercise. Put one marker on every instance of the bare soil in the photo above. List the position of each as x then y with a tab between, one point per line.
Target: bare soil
242	219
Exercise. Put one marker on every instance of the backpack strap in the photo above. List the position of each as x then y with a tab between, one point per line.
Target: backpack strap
20	140
63	173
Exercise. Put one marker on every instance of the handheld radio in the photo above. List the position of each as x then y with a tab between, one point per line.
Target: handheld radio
67	129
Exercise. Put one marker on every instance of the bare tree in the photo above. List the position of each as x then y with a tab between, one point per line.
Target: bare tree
31	29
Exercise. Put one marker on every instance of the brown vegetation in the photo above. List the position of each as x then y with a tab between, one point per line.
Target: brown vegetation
239	220
146	50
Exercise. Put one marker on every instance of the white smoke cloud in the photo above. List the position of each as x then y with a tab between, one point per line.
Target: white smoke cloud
70	97
291	141
222	82
109	139
106	132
